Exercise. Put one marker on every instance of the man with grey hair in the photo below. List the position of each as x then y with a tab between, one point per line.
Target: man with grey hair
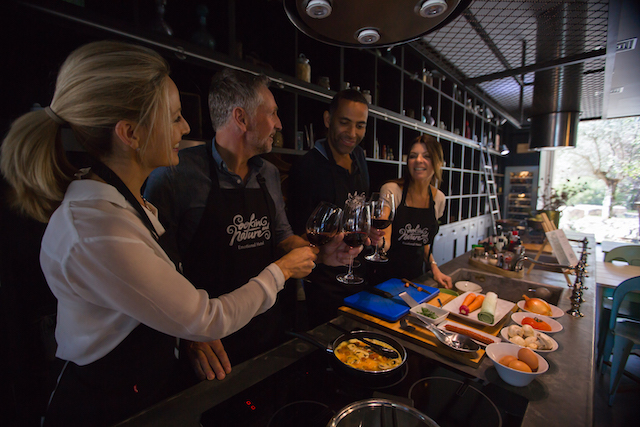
225	206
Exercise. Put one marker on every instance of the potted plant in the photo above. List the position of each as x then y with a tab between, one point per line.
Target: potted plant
556	200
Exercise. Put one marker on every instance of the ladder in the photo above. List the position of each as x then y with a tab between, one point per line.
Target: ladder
490	182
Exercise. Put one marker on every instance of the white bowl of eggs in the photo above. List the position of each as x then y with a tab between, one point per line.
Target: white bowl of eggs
516	365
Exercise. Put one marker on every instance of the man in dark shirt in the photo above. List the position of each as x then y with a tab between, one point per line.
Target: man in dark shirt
335	167
224	205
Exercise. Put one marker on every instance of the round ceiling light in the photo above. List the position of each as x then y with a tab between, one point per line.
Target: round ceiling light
340	23
368	36
433	8
318	9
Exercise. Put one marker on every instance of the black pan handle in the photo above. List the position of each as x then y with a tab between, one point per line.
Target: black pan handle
310	339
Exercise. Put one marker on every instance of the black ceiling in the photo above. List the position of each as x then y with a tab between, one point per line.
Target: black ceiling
492	47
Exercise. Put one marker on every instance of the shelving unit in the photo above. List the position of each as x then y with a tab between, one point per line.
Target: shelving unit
521	191
399	80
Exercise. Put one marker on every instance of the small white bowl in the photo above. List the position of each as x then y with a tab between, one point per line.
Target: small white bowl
512	376
465	286
442	314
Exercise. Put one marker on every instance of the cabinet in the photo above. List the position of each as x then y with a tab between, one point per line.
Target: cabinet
405	88
521	191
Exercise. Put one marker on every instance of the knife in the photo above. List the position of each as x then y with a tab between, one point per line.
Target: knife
380	292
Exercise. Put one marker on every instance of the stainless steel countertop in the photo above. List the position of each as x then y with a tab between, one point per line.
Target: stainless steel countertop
562	396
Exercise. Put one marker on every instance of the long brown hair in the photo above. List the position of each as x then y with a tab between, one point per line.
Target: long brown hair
433	147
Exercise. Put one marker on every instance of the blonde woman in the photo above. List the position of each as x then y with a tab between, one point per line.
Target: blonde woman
419	204
121	302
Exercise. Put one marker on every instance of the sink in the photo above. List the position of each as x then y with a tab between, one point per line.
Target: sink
508	289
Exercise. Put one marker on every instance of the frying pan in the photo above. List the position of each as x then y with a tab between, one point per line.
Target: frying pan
356	334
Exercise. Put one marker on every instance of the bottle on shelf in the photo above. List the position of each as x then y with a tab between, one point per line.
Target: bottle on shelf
201	36
158	23
428	119
303	68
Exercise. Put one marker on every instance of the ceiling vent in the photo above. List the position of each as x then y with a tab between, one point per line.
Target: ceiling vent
555	111
626	45
371	23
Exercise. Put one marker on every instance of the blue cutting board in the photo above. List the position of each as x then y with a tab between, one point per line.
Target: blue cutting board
389	309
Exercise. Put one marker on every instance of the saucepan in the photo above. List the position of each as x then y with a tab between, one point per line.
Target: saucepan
365	337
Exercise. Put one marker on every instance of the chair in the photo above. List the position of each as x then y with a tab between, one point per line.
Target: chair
622	337
628	253
631	308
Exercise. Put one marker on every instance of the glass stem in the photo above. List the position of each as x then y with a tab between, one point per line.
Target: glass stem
350	272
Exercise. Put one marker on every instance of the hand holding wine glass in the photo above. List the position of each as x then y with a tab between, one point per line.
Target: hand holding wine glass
382	212
323	224
356	222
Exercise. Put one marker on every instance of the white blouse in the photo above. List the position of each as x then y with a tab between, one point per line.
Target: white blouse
109	275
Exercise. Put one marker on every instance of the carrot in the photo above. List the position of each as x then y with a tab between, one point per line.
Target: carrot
476	304
464	307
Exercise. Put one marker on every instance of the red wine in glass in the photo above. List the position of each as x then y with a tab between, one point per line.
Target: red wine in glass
319	238
355	239
382	212
356	222
380	224
323	224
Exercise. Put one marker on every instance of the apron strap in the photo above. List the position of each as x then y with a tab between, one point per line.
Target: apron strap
110	177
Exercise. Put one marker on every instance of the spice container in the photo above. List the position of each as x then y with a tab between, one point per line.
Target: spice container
303	69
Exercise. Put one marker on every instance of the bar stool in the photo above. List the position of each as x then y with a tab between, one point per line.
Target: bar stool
622	336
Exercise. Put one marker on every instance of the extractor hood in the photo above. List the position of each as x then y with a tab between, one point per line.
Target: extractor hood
371	23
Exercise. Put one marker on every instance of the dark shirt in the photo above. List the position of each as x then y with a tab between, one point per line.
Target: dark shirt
316	177
181	192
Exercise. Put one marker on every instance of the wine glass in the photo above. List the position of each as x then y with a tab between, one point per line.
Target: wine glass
323	224
383	210
356	222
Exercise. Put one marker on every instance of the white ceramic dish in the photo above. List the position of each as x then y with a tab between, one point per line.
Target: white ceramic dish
466	286
555	325
484	334
554	344
442	314
555	311
502	308
512	376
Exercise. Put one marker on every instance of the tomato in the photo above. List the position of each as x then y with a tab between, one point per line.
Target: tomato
536	323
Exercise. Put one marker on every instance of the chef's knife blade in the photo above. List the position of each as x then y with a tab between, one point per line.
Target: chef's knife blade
380	292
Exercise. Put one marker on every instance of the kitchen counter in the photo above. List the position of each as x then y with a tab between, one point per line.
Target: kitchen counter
562	396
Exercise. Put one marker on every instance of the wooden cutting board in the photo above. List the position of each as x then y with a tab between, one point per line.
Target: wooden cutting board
425	338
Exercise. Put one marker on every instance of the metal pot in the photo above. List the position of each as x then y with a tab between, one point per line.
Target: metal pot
380	413
357	334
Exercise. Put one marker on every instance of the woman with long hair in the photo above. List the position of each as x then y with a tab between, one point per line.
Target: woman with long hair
419	204
121	301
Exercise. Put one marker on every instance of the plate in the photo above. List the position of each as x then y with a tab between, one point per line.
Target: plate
417	310
465	286
555	311
554	345
502	308
460	325
555	325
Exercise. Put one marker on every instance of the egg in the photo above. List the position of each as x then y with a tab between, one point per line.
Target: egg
529	357
507	359
519	365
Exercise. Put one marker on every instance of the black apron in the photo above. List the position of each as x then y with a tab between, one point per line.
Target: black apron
235	241
141	371
413	228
